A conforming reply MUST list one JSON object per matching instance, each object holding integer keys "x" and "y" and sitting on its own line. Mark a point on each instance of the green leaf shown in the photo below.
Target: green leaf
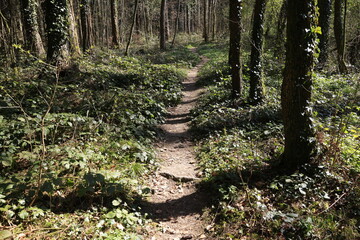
{"x": 5, "y": 234}
{"x": 116, "y": 203}
{"x": 23, "y": 214}
{"x": 110, "y": 215}
{"x": 21, "y": 119}
{"x": 7, "y": 161}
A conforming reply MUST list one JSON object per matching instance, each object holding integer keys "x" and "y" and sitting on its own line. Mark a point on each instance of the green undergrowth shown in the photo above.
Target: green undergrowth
{"x": 238, "y": 147}
{"x": 179, "y": 56}
{"x": 76, "y": 143}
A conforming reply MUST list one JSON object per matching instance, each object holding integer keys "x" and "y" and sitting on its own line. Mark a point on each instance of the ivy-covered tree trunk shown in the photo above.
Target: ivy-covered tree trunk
{"x": 324, "y": 23}
{"x": 56, "y": 29}
{"x": 33, "y": 40}
{"x": 300, "y": 141}
{"x": 256, "y": 84}
{"x": 86, "y": 25}
{"x": 234, "y": 49}
{"x": 162, "y": 25}
{"x": 114, "y": 22}
{"x": 339, "y": 31}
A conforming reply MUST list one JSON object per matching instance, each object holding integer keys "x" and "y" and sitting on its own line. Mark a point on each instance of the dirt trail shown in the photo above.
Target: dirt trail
{"x": 176, "y": 204}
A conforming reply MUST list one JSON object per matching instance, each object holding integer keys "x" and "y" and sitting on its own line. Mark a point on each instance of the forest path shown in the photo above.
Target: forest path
{"x": 176, "y": 205}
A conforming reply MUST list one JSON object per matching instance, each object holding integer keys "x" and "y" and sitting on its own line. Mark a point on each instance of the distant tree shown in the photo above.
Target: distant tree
{"x": 114, "y": 22}
{"x": 162, "y": 25}
{"x": 354, "y": 48}
{"x": 73, "y": 29}
{"x": 339, "y": 31}
{"x": 33, "y": 40}
{"x": 324, "y": 23}
{"x": 256, "y": 83}
{"x": 56, "y": 29}
{"x": 300, "y": 141}
{"x": 234, "y": 48}
{"x": 176, "y": 22}
{"x": 132, "y": 27}
{"x": 280, "y": 29}
{"x": 205, "y": 21}
{"x": 86, "y": 25}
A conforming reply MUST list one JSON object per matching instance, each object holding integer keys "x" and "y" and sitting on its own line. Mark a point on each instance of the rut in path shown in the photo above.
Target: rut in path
{"x": 176, "y": 204}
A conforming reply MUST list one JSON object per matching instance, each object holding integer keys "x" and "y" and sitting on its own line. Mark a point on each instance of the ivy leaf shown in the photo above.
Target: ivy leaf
{"x": 116, "y": 203}
{"x": 110, "y": 215}
{"x": 23, "y": 214}
{"x": 5, "y": 234}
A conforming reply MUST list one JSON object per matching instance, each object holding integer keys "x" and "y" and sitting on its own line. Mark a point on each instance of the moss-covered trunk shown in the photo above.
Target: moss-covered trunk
{"x": 256, "y": 83}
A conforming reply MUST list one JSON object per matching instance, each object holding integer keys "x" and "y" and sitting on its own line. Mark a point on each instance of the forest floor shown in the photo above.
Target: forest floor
{"x": 176, "y": 204}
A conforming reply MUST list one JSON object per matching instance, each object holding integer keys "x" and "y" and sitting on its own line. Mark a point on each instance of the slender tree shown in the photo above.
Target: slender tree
{"x": 86, "y": 25}
{"x": 114, "y": 22}
{"x": 339, "y": 31}
{"x": 176, "y": 22}
{"x": 256, "y": 83}
{"x": 280, "y": 29}
{"x": 300, "y": 142}
{"x": 324, "y": 23}
{"x": 132, "y": 27}
{"x": 162, "y": 25}
{"x": 234, "y": 49}
{"x": 205, "y": 19}
{"x": 73, "y": 30}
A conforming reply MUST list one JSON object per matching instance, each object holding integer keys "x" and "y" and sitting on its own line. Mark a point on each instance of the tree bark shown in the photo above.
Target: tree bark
{"x": 300, "y": 143}
{"x": 86, "y": 25}
{"x": 162, "y": 25}
{"x": 132, "y": 27}
{"x": 73, "y": 30}
{"x": 205, "y": 23}
{"x": 339, "y": 31}
{"x": 324, "y": 23}
{"x": 256, "y": 83}
{"x": 281, "y": 25}
{"x": 33, "y": 40}
{"x": 114, "y": 22}
{"x": 57, "y": 30}
{"x": 234, "y": 49}
{"x": 176, "y": 22}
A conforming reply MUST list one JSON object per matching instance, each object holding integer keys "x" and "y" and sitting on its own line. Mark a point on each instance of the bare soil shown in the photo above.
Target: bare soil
{"x": 176, "y": 204}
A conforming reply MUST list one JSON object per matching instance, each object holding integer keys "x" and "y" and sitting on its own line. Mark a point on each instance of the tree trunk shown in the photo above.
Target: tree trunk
{"x": 33, "y": 40}
{"x": 114, "y": 22}
{"x": 56, "y": 29}
{"x": 300, "y": 144}
{"x": 86, "y": 25}
{"x": 214, "y": 20}
{"x": 256, "y": 83}
{"x": 205, "y": 19}
{"x": 324, "y": 23}
{"x": 176, "y": 22}
{"x": 7, "y": 38}
{"x": 162, "y": 25}
{"x": 354, "y": 49}
{"x": 234, "y": 49}
{"x": 281, "y": 25}
{"x": 73, "y": 32}
{"x": 339, "y": 31}
{"x": 132, "y": 27}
